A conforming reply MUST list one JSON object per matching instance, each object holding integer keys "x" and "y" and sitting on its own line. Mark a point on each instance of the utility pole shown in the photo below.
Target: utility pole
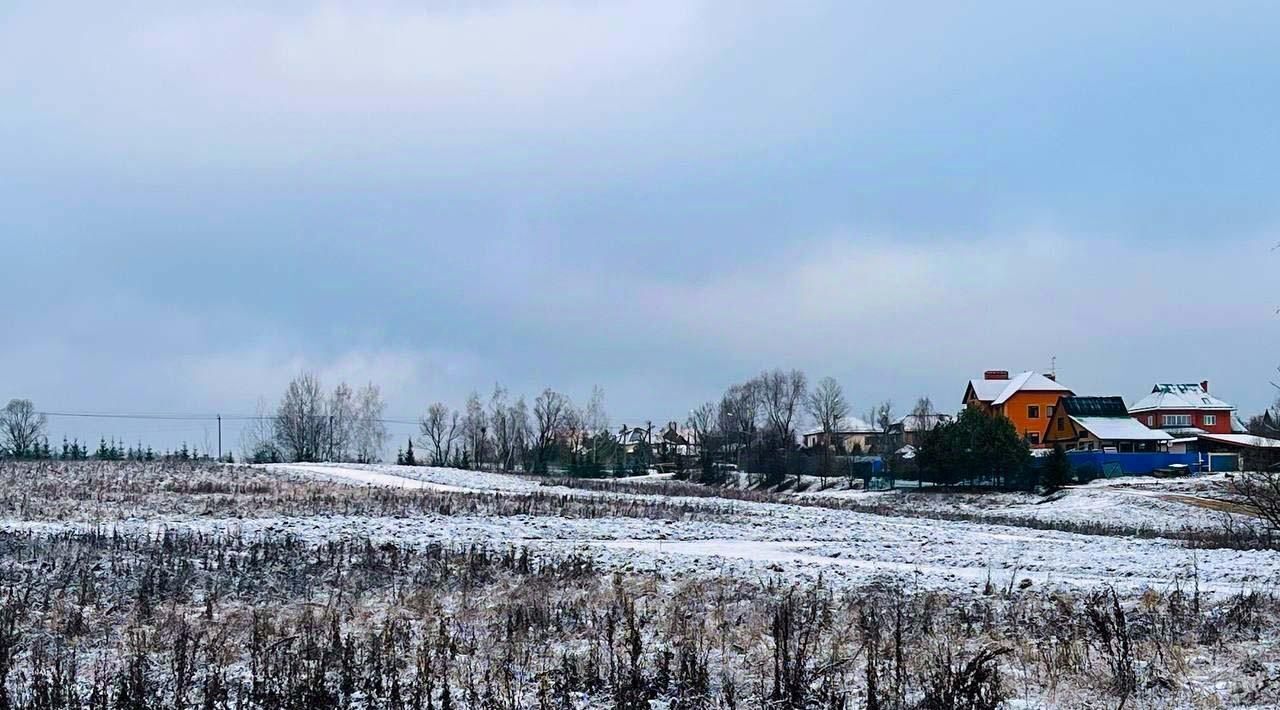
{"x": 219, "y": 437}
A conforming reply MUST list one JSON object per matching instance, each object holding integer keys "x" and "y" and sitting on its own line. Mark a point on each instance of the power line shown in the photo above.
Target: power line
{"x": 203, "y": 417}
{"x": 165, "y": 417}
{"x": 411, "y": 421}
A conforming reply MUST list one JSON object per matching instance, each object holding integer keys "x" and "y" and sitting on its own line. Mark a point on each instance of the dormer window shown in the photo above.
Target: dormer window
{"x": 1210, "y": 419}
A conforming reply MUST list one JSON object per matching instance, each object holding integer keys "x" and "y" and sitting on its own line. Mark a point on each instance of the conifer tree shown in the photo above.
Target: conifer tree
{"x": 1057, "y": 469}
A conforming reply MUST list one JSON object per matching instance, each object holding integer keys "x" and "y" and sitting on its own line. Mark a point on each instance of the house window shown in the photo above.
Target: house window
{"x": 1033, "y": 411}
{"x": 1151, "y": 421}
{"x": 1177, "y": 420}
{"x": 1048, "y": 411}
{"x": 1033, "y": 437}
{"x": 1062, "y": 425}
{"x": 1210, "y": 419}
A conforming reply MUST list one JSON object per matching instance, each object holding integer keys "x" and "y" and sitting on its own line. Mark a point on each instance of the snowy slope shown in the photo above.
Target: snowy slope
{"x": 799, "y": 542}
{"x": 1168, "y": 505}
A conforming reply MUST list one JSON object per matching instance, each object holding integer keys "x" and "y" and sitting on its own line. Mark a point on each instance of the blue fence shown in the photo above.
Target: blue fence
{"x": 875, "y": 462}
{"x": 1106, "y": 463}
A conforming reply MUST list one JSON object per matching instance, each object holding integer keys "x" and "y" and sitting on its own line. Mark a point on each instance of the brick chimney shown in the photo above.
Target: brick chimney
{"x": 1204, "y": 385}
{"x": 995, "y": 375}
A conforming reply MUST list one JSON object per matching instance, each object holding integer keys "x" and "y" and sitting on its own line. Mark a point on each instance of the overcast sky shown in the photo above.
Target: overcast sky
{"x": 198, "y": 200}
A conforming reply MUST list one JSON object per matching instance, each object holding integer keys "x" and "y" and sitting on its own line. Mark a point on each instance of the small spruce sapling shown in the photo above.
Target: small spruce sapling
{"x": 1057, "y": 469}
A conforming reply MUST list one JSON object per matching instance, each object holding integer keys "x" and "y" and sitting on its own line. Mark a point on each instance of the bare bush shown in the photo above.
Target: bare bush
{"x": 1260, "y": 491}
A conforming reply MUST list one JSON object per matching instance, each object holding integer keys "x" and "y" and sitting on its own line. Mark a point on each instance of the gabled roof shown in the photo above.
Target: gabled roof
{"x": 987, "y": 390}
{"x": 850, "y": 425}
{"x": 1176, "y": 396}
{"x": 1095, "y": 407}
{"x": 1124, "y": 428}
{"x": 999, "y": 391}
{"x": 1257, "y": 442}
{"x": 916, "y": 422}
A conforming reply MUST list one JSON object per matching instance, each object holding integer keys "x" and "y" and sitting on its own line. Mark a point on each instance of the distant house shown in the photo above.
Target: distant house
{"x": 910, "y": 430}
{"x": 1101, "y": 424}
{"x": 662, "y": 442}
{"x": 1266, "y": 424}
{"x": 673, "y": 441}
{"x": 1186, "y": 410}
{"x": 854, "y": 434}
{"x": 1027, "y": 399}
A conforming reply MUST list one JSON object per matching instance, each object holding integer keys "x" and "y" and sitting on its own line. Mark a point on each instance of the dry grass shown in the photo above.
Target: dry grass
{"x": 185, "y": 619}
{"x": 190, "y": 620}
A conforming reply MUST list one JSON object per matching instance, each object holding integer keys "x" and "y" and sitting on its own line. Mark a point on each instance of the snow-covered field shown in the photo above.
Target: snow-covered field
{"x": 178, "y": 584}
{"x": 804, "y": 542}
{"x": 1141, "y": 503}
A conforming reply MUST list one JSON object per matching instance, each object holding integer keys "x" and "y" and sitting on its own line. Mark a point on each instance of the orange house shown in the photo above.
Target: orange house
{"x": 1028, "y": 399}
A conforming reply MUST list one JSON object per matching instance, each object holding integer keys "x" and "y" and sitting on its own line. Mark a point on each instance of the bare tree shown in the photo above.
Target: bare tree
{"x": 739, "y": 411}
{"x": 738, "y": 416}
{"x": 522, "y": 431}
{"x": 22, "y": 427}
{"x": 258, "y": 438}
{"x": 702, "y": 420}
{"x": 440, "y": 429}
{"x": 370, "y": 431}
{"x": 594, "y": 418}
{"x": 781, "y": 394}
{"x": 342, "y": 422}
{"x": 828, "y": 407}
{"x": 595, "y": 421}
{"x": 924, "y": 411}
{"x": 500, "y": 425}
{"x": 881, "y": 417}
{"x": 301, "y": 423}
{"x": 552, "y": 413}
{"x": 475, "y": 427}
{"x": 923, "y": 419}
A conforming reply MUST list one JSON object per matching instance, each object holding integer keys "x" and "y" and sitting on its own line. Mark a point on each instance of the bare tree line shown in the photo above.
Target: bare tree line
{"x": 754, "y": 423}
{"x": 508, "y": 435}
{"x": 347, "y": 425}
{"x": 308, "y": 425}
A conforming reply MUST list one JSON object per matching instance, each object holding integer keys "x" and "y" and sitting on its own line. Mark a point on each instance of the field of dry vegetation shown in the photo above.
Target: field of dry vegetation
{"x": 99, "y": 615}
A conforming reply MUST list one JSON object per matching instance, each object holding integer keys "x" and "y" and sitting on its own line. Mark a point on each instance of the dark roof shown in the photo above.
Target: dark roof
{"x": 1095, "y": 407}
